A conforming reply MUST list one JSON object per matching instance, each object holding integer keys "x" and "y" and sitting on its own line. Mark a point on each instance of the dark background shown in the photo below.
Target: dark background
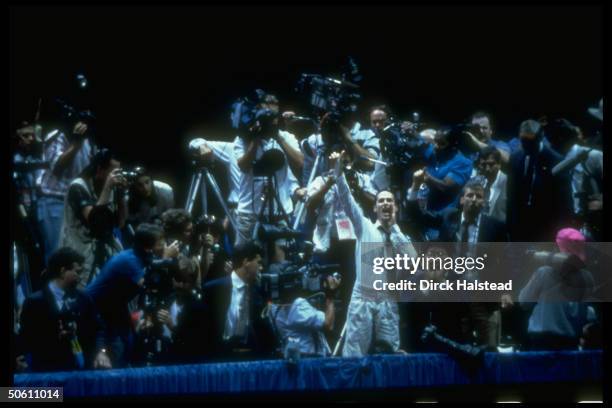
{"x": 160, "y": 75}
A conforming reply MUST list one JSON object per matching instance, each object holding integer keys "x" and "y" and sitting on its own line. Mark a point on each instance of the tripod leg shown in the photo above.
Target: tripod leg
{"x": 193, "y": 190}
{"x": 217, "y": 191}
{"x": 203, "y": 192}
{"x": 340, "y": 339}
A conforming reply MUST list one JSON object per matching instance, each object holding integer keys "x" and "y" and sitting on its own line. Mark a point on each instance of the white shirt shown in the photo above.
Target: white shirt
{"x": 224, "y": 153}
{"x": 301, "y": 323}
{"x": 251, "y": 190}
{"x": 370, "y": 236}
{"x": 587, "y": 176}
{"x": 237, "y": 314}
{"x": 473, "y": 229}
{"x": 58, "y": 295}
{"x": 497, "y": 197}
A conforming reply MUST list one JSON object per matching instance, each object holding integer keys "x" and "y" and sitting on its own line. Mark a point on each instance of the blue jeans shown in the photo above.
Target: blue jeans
{"x": 50, "y": 217}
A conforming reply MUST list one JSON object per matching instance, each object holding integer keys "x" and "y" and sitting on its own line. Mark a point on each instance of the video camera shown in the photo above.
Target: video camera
{"x": 291, "y": 280}
{"x": 402, "y": 145}
{"x": 327, "y": 94}
{"x": 251, "y": 118}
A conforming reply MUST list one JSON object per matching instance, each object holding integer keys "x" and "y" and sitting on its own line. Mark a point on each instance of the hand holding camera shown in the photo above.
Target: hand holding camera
{"x": 115, "y": 179}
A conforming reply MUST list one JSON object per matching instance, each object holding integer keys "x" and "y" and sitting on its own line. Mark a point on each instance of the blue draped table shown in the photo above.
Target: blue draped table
{"x": 341, "y": 374}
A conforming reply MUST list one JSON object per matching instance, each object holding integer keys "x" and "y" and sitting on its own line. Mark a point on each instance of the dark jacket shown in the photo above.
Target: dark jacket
{"x": 539, "y": 205}
{"x": 190, "y": 336}
{"x": 448, "y": 221}
{"x": 40, "y": 330}
{"x": 217, "y": 297}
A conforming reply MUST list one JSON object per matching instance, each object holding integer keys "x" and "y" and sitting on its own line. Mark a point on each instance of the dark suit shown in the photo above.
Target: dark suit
{"x": 448, "y": 221}
{"x": 476, "y": 315}
{"x": 259, "y": 342}
{"x": 190, "y": 336}
{"x": 538, "y": 203}
{"x": 39, "y": 331}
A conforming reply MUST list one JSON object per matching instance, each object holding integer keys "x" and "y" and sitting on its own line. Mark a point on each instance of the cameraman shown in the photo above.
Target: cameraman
{"x": 301, "y": 324}
{"x": 185, "y": 320}
{"x": 94, "y": 207}
{"x": 448, "y": 170}
{"x": 222, "y": 152}
{"x": 118, "y": 284}
{"x": 482, "y": 136}
{"x": 148, "y": 198}
{"x": 344, "y": 130}
{"x": 583, "y": 163}
{"x": 60, "y": 327}
{"x": 263, "y": 135}
{"x": 68, "y": 155}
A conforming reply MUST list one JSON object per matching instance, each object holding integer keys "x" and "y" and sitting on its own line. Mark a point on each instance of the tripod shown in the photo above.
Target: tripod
{"x": 199, "y": 180}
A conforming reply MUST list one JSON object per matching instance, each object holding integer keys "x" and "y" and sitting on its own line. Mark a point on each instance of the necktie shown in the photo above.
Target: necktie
{"x": 389, "y": 253}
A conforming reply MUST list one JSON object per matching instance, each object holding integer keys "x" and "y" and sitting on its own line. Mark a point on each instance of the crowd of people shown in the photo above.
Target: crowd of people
{"x": 111, "y": 270}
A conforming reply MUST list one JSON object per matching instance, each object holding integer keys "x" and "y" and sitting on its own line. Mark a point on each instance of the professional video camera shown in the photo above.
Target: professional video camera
{"x": 291, "y": 280}
{"x": 251, "y": 119}
{"x": 327, "y": 94}
{"x": 402, "y": 145}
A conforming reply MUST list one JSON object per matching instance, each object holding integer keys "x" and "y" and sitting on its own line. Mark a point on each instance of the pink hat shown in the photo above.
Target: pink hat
{"x": 570, "y": 240}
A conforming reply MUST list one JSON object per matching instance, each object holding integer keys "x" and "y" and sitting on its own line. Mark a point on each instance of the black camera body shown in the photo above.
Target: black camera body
{"x": 328, "y": 94}
{"x": 292, "y": 280}
{"x": 158, "y": 284}
{"x": 132, "y": 175}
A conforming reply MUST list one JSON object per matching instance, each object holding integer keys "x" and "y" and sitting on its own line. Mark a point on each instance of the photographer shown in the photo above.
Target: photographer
{"x": 340, "y": 130}
{"x": 582, "y": 170}
{"x": 117, "y": 285}
{"x": 448, "y": 170}
{"x": 68, "y": 154}
{"x": 94, "y": 207}
{"x": 481, "y": 136}
{"x": 197, "y": 240}
{"x": 557, "y": 294}
{"x": 235, "y": 328}
{"x": 302, "y": 326}
{"x": 60, "y": 327}
{"x": 263, "y": 136}
{"x": 27, "y": 165}
{"x": 185, "y": 319}
{"x": 207, "y": 151}
{"x": 148, "y": 198}
{"x": 25, "y": 148}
